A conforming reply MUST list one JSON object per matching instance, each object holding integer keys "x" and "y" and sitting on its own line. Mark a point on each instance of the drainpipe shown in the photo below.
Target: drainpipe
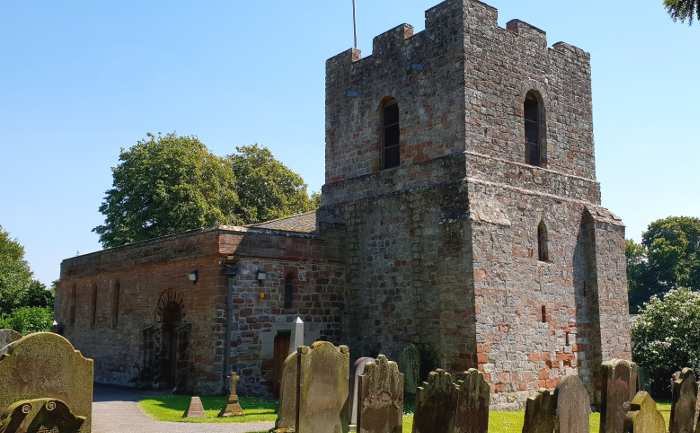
{"x": 230, "y": 272}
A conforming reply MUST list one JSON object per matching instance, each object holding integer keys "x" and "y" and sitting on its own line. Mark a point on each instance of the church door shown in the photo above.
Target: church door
{"x": 171, "y": 316}
{"x": 281, "y": 351}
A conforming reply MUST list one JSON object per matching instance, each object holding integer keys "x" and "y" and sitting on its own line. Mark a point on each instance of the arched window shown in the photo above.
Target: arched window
{"x": 391, "y": 134}
{"x": 288, "y": 291}
{"x": 542, "y": 249}
{"x": 534, "y": 129}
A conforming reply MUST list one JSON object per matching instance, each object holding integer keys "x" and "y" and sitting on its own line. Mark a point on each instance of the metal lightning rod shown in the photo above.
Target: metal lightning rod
{"x": 354, "y": 24}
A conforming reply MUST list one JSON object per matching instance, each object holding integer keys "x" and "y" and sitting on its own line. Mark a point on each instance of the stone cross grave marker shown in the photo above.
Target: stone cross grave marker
{"x": 195, "y": 409}
{"x": 7, "y": 336}
{"x": 381, "y": 398}
{"x": 409, "y": 364}
{"x": 436, "y": 404}
{"x": 642, "y": 415}
{"x": 620, "y": 380}
{"x": 685, "y": 391}
{"x": 473, "y": 403}
{"x": 359, "y": 370}
{"x": 233, "y": 407}
{"x": 322, "y": 391}
{"x": 45, "y": 366}
{"x": 540, "y": 412}
{"x": 573, "y": 406}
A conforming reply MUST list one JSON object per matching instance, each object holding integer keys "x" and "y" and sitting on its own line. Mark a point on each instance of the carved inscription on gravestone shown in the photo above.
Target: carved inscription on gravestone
{"x": 40, "y": 416}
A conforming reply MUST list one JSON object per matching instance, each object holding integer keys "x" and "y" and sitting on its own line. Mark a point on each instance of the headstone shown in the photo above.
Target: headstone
{"x": 195, "y": 409}
{"x": 7, "y": 336}
{"x": 685, "y": 390}
{"x": 40, "y": 416}
{"x": 46, "y": 366}
{"x": 322, "y": 394}
{"x": 619, "y": 386}
{"x": 436, "y": 404}
{"x": 573, "y": 406}
{"x": 642, "y": 415}
{"x": 540, "y": 412}
{"x": 297, "y": 337}
{"x": 232, "y": 407}
{"x": 473, "y": 404}
{"x": 359, "y": 367}
{"x": 409, "y": 364}
{"x": 286, "y": 414}
{"x": 381, "y": 398}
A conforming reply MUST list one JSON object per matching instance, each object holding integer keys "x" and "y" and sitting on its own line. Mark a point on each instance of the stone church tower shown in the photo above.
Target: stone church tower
{"x": 461, "y": 185}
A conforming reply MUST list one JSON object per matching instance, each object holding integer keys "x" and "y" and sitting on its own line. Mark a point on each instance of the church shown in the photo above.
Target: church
{"x": 460, "y": 215}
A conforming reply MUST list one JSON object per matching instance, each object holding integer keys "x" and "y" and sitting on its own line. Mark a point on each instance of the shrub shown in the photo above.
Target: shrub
{"x": 666, "y": 336}
{"x": 26, "y": 320}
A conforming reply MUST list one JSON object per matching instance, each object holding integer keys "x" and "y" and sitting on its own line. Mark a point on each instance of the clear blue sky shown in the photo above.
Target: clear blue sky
{"x": 80, "y": 79}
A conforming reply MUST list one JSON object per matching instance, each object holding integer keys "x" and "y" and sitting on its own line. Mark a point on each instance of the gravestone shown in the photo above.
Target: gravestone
{"x": 195, "y": 409}
{"x": 619, "y": 386}
{"x": 381, "y": 398}
{"x": 45, "y": 366}
{"x": 642, "y": 416}
{"x": 322, "y": 394}
{"x": 409, "y": 364}
{"x": 359, "y": 367}
{"x": 40, "y": 416}
{"x": 286, "y": 414}
{"x": 436, "y": 404}
{"x": 473, "y": 403}
{"x": 233, "y": 407}
{"x": 7, "y": 336}
{"x": 685, "y": 390}
{"x": 573, "y": 406}
{"x": 540, "y": 412}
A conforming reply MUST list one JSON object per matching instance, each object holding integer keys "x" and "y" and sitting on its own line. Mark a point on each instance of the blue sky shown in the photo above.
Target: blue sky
{"x": 80, "y": 79}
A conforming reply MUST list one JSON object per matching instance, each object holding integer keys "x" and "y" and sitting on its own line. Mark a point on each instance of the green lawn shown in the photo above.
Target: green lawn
{"x": 172, "y": 407}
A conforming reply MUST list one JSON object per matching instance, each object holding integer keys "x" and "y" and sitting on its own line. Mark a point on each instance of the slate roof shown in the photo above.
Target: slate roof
{"x": 301, "y": 223}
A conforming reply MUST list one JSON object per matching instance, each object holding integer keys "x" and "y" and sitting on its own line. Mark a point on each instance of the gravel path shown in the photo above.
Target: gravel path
{"x": 116, "y": 410}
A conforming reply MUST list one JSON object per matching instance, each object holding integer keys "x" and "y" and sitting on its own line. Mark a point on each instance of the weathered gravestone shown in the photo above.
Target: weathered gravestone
{"x": 642, "y": 416}
{"x": 40, "y": 416}
{"x": 619, "y": 386}
{"x": 322, "y": 394}
{"x": 287, "y": 412}
{"x": 685, "y": 390}
{"x": 233, "y": 406}
{"x": 381, "y": 398}
{"x": 573, "y": 406}
{"x": 473, "y": 403}
{"x": 436, "y": 404}
{"x": 409, "y": 365}
{"x": 7, "y": 336}
{"x": 359, "y": 367}
{"x": 195, "y": 409}
{"x": 540, "y": 412}
{"x": 46, "y": 367}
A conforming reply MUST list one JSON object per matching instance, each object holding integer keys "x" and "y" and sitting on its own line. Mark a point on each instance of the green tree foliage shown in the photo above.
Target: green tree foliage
{"x": 267, "y": 188}
{"x": 682, "y": 10}
{"x": 15, "y": 275}
{"x": 667, "y": 258}
{"x": 666, "y": 336}
{"x": 26, "y": 320}
{"x": 167, "y": 184}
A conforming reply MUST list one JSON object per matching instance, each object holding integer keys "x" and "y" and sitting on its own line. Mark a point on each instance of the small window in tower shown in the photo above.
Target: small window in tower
{"x": 288, "y": 291}
{"x": 391, "y": 134}
{"x": 544, "y": 314}
{"x": 542, "y": 247}
{"x": 534, "y": 129}
{"x": 115, "y": 304}
{"x": 93, "y": 309}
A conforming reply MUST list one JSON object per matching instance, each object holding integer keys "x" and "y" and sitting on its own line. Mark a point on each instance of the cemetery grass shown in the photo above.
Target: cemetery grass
{"x": 171, "y": 408}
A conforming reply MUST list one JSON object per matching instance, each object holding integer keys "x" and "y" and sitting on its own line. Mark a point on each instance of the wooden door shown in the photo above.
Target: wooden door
{"x": 281, "y": 351}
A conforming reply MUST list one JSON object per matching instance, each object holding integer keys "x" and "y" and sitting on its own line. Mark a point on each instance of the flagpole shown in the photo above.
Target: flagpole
{"x": 354, "y": 24}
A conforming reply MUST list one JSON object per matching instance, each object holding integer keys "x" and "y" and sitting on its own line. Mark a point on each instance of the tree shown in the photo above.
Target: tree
{"x": 15, "y": 275}
{"x": 667, "y": 258}
{"x": 26, "y": 320}
{"x": 683, "y": 9}
{"x": 666, "y": 336}
{"x": 267, "y": 188}
{"x": 167, "y": 184}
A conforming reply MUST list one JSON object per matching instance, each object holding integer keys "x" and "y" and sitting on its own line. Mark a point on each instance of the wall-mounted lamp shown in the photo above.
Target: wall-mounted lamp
{"x": 193, "y": 276}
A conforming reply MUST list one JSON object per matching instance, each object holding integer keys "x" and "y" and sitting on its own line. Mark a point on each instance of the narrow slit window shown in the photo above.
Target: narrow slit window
{"x": 115, "y": 304}
{"x": 93, "y": 309}
{"x": 534, "y": 129}
{"x": 542, "y": 247}
{"x": 391, "y": 151}
{"x": 544, "y": 314}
